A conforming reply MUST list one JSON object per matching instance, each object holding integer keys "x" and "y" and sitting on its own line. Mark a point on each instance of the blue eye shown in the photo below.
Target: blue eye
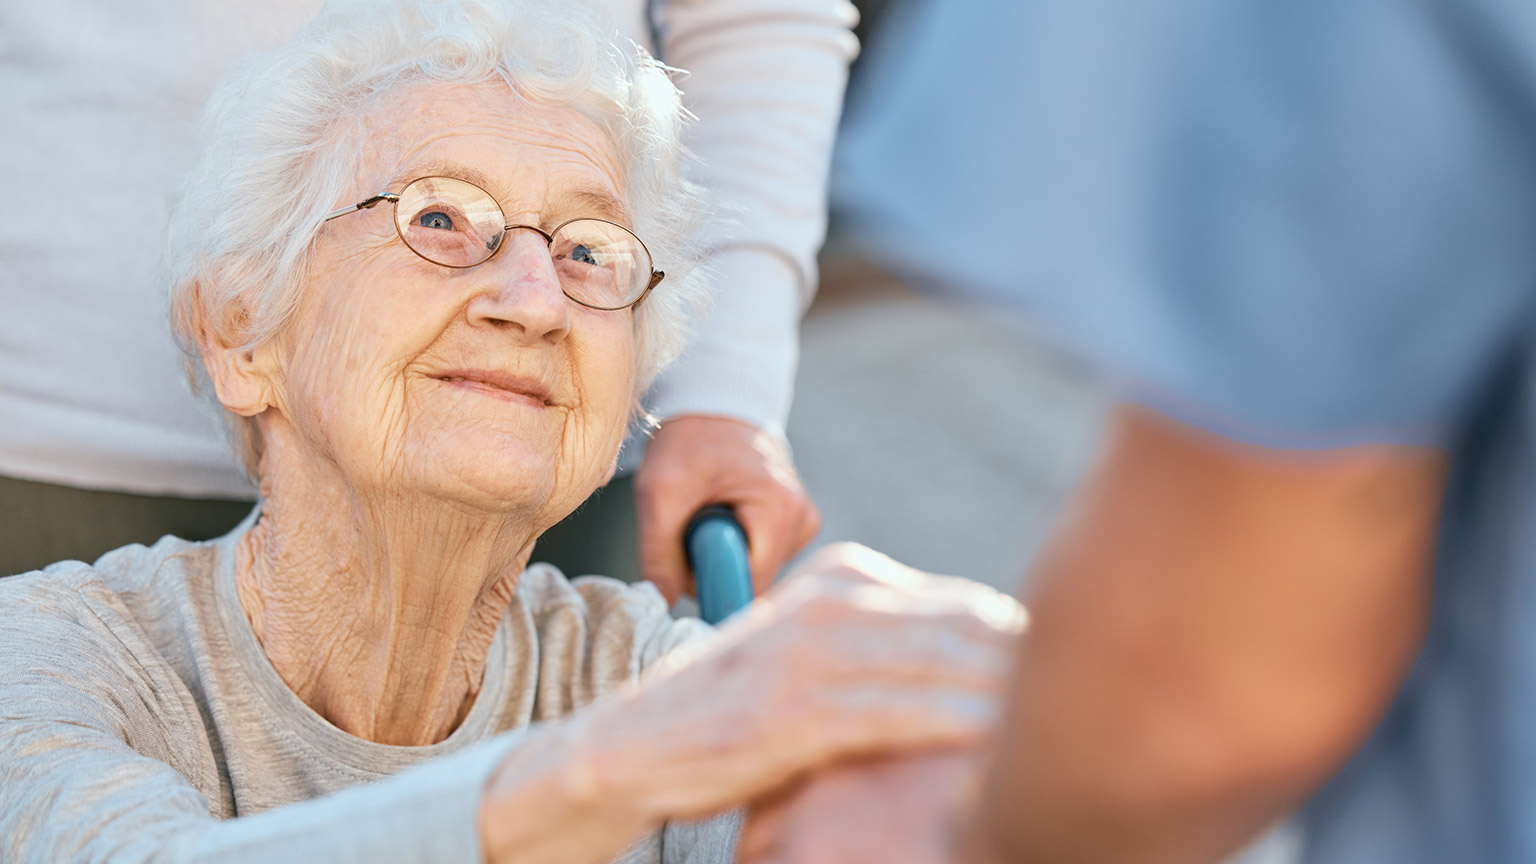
{"x": 435, "y": 219}
{"x": 582, "y": 254}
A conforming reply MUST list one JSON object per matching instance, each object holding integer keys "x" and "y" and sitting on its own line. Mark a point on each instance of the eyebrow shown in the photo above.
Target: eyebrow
{"x": 590, "y": 201}
{"x": 467, "y": 173}
{"x": 571, "y": 203}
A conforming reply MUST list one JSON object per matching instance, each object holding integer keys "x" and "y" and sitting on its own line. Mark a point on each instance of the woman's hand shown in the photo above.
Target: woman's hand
{"x": 854, "y": 656}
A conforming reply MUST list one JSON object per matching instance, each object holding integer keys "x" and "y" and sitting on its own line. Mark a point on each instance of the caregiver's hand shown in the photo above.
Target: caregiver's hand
{"x": 695, "y": 460}
{"x": 855, "y": 655}
{"x": 895, "y": 810}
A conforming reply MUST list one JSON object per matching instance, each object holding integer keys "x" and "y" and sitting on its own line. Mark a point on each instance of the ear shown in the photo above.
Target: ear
{"x": 244, "y": 379}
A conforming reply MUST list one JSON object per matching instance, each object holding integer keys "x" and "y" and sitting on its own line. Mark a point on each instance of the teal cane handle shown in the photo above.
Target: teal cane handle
{"x": 717, "y": 552}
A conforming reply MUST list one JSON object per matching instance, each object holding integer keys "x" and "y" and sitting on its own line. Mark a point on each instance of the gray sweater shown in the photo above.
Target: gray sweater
{"x": 141, "y": 721}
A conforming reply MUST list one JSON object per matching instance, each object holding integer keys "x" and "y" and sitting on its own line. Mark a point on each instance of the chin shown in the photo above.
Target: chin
{"x": 509, "y": 471}
{"x": 491, "y": 492}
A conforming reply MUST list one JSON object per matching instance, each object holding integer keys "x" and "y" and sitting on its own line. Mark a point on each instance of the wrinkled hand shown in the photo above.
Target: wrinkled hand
{"x": 901, "y": 810}
{"x": 696, "y": 460}
{"x": 852, "y": 657}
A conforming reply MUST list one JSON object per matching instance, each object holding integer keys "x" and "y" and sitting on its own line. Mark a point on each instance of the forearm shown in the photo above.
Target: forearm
{"x": 1212, "y": 635}
{"x": 80, "y": 796}
{"x": 554, "y": 801}
{"x": 427, "y": 813}
{"x": 765, "y": 82}
{"x": 742, "y": 360}
{"x": 583, "y": 790}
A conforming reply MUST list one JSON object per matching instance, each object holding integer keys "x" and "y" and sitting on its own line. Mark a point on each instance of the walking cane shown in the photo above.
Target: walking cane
{"x": 717, "y": 552}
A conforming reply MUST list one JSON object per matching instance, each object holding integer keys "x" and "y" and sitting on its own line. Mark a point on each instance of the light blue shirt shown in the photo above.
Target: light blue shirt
{"x": 1302, "y": 223}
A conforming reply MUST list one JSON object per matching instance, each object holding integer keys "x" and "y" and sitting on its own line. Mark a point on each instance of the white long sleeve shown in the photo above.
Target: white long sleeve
{"x": 766, "y": 80}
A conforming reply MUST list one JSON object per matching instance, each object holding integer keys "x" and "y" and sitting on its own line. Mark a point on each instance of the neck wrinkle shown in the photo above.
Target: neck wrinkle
{"x": 377, "y": 611}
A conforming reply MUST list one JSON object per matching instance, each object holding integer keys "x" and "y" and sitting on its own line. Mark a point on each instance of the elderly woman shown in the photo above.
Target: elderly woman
{"x": 411, "y": 265}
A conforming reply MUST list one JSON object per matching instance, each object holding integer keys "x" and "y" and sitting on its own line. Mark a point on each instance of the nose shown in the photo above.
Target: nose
{"x": 521, "y": 291}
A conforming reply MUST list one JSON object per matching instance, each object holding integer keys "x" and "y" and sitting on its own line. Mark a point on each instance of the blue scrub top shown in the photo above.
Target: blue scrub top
{"x": 1301, "y": 223}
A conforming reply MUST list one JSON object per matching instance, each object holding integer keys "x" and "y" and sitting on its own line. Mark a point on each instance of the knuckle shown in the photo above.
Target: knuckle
{"x": 654, "y": 481}
{"x": 818, "y": 601}
{"x": 812, "y": 520}
{"x": 646, "y": 489}
{"x": 839, "y": 557}
{"x": 828, "y": 607}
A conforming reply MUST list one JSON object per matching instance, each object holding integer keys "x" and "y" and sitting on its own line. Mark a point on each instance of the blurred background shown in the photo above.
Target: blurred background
{"x": 953, "y": 461}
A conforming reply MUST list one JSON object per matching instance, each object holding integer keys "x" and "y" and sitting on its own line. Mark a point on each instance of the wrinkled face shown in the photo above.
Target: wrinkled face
{"x": 484, "y": 386}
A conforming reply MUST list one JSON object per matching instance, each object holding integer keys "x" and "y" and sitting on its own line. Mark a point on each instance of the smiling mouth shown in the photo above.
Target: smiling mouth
{"x": 508, "y": 390}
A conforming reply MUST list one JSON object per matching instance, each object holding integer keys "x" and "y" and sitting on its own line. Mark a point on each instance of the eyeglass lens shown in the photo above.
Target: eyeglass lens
{"x": 457, "y": 224}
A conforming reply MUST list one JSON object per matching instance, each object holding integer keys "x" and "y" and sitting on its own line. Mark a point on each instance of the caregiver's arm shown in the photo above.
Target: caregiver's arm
{"x": 766, "y": 84}
{"x": 1216, "y": 628}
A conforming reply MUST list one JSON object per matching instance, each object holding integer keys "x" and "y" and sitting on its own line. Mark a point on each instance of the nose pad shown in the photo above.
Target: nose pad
{"x": 521, "y": 290}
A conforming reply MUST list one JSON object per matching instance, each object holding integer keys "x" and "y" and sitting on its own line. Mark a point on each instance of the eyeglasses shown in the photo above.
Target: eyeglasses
{"x": 601, "y": 264}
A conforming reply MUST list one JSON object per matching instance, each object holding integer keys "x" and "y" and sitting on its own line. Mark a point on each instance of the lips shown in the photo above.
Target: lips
{"x": 499, "y": 384}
